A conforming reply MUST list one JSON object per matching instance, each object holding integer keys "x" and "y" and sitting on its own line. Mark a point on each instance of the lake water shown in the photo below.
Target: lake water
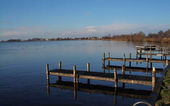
{"x": 23, "y": 76}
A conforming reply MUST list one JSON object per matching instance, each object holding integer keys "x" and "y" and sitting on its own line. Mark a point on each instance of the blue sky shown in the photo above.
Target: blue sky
{"x": 73, "y": 18}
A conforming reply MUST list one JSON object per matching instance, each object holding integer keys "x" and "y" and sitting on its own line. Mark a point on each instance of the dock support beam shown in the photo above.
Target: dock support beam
{"x": 88, "y": 70}
{"x": 47, "y": 72}
{"x": 109, "y": 58}
{"x": 59, "y": 64}
{"x": 124, "y": 60}
{"x": 153, "y": 78}
{"x": 115, "y": 77}
{"x": 104, "y": 60}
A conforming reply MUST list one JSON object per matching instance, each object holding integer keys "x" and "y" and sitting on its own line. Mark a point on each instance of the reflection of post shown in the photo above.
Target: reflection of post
{"x": 115, "y": 96}
{"x": 48, "y": 88}
{"x": 115, "y": 77}
{"x": 104, "y": 60}
{"x": 153, "y": 78}
{"x": 123, "y": 73}
{"x": 75, "y": 91}
{"x": 59, "y": 77}
{"x": 109, "y": 59}
{"x": 150, "y": 57}
{"x": 124, "y": 59}
{"x": 88, "y": 70}
{"x": 130, "y": 55}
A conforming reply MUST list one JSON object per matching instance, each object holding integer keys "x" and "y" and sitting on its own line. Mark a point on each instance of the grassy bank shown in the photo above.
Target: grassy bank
{"x": 165, "y": 91}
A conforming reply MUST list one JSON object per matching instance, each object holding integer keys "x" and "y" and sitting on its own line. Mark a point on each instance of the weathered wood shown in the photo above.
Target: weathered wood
{"x": 124, "y": 59}
{"x": 133, "y": 79}
{"x": 104, "y": 60}
{"x": 59, "y": 64}
{"x": 47, "y": 71}
{"x": 136, "y": 69}
{"x": 153, "y": 78}
{"x": 115, "y": 77}
{"x": 136, "y": 60}
{"x": 123, "y": 69}
{"x": 88, "y": 70}
{"x": 74, "y": 73}
{"x": 109, "y": 57}
{"x": 88, "y": 67}
{"x": 167, "y": 62}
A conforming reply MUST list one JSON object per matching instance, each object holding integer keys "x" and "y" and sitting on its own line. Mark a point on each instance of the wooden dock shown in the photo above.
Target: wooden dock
{"x": 113, "y": 77}
{"x": 135, "y": 69}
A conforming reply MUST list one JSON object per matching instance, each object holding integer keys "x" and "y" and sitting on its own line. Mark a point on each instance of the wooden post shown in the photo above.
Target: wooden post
{"x": 167, "y": 62}
{"x": 130, "y": 55}
{"x": 150, "y": 57}
{"x": 136, "y": 53}
{"x": 88, "y": 67}
{"x": 59, "y": 64}
{"x": 123, "y": 69}
{"x": 153, "y": 78}
{"x": 74, "y": 73}
{"x": 88, "y": 70}
{"x": 140, "y": 53}
{"x": 109, "y": 58}
{"x": 47, "y": 71}
{"x": 48, "y": 83}
{"x": 115, "y": 77}
{"x": 147, "y": 61}
{"x": 124, "y": 59}
{"x": 104, "y": 60}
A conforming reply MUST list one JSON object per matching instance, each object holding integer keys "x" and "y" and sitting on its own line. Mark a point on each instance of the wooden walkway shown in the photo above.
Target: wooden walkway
{"x": 113, "y": 77}
{"x": 136, "y": 69}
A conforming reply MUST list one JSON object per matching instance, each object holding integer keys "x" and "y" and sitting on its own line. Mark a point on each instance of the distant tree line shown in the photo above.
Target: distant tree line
{"x": 160, "y": 37}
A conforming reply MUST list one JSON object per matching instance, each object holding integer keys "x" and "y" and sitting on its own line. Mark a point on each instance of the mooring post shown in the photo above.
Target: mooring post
{"x": 136, "y": 53}
{"x": 104, "y": 60}
{"x": 74, "y": 73}
{"x": 130, "y": 55}
{"x": 153, "y": 78}
{"x": 47, "y": 72}
{"x": 147, "y": 61}
{"x": 123, "y": 69}
{"x": 109, "y": 59}
{"x": 115, "y": 77}
{"x": 88, "y": 70}
{"x": 124, "y": 59}
{"x": 59, "y": 64}
{"x": 140, "y": 53}
{"x": 167, "y": 62}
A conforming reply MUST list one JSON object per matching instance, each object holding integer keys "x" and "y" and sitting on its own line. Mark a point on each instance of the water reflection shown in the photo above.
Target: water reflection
{"x": 101, "y": 89}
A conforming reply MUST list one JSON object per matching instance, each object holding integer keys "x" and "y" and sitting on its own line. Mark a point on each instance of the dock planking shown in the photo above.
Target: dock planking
{"x": 132, "y": 79}
{"x": 136, "y": 69}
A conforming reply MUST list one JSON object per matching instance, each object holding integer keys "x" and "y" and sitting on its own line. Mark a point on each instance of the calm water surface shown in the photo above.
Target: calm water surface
{"x": 23, "y": 78}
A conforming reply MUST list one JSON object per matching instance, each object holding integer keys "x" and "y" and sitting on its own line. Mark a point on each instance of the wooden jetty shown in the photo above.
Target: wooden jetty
{"x": 113, "y": 77}
{"x": 90, "y": 88}
{"x": 130, "y": 59}
{"x": 136, "y": 69}
{"x": 152, "y": 50}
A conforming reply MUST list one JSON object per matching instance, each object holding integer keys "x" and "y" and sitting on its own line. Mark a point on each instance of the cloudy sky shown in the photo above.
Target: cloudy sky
{"x": 76, "y": 18}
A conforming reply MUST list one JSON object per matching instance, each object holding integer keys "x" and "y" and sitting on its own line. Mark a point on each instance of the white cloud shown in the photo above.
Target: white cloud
{"x": 121, "y": 28}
